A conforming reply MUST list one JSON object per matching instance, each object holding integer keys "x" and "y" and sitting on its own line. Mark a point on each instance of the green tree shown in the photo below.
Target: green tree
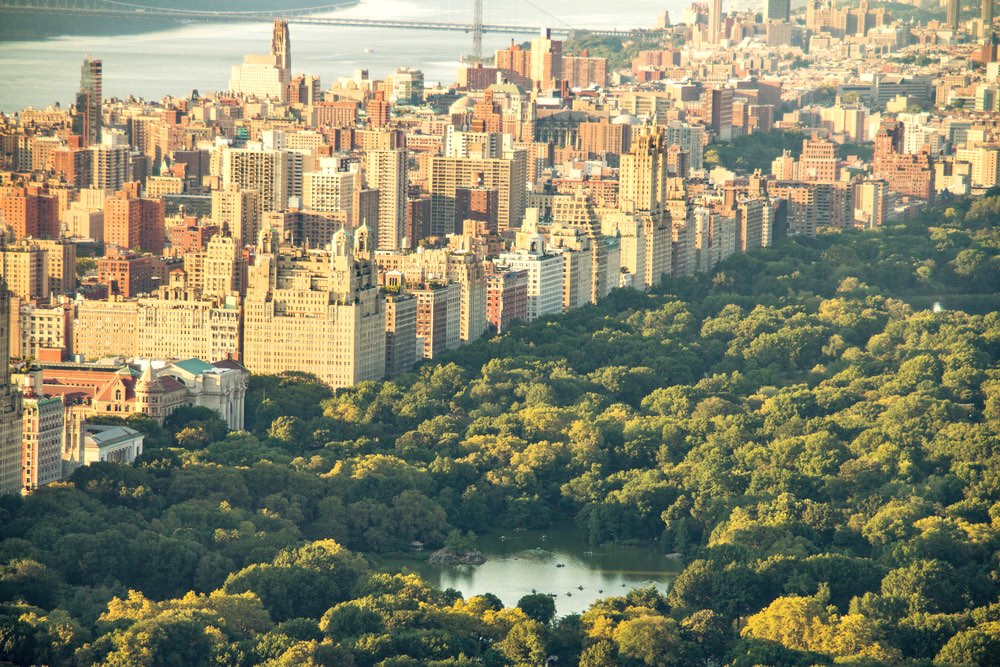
{"x": 538, "y": 606}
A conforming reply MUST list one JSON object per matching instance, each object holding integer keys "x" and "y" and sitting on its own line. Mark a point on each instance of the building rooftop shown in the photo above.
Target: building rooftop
{"x": 104, "y": 436}
{"x": 194, "y": 366}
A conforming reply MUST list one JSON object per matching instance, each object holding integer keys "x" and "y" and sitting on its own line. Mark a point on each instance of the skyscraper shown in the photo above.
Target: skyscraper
{"x": 281, "y": 46}
{"x": 954, "y": 9}
{"x": 10, "y": 407}
{"x": 90, "y": 95}
{"x": 987, "y": 13}
{"x": 714, "y": 21}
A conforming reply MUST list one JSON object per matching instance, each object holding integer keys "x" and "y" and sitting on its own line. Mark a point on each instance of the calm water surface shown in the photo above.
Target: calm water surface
{"x": 519, "y": 562}
{"x": 199, "y": 56}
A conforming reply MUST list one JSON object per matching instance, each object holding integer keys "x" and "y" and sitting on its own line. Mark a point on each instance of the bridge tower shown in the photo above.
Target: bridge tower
{"x": 477, "y": 30}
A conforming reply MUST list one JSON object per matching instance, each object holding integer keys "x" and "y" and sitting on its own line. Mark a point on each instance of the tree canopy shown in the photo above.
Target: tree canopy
{"x": 816, "y": 441}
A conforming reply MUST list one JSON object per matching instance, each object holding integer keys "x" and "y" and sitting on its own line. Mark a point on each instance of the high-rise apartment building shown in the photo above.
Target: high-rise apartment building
{"x": 514, "y": 61}
{"x": 10, "y": 407}
{"x": 598, "y": 138}
{"x": 750, "y": 221}
{"x": 24, "y": 268}
{"x": 506, "y": 297}
{"x": 642, "y": 176}
{"x": 36, "y": 325}
{"x": 871, "y": 203}
{"x": 578, "y": 264}
{"x": 263, "y": 170}
{"x": 106, "y": 329}
{"x": 426, "y": 266}
{"x": 643, "y": 222}
{"x": 479, "y": 204}
{"x": 29, "y": 212}
{"x": 386, "y": 171}
{"x": 223, "y": 268}
{"x": 110, "y": 164}
{"x": 91, "y": 92}
{"x": 438, "y": 306}
{"x": 584, "y": 71}
{"x": 329, "y": 189}
{"x": 237, "y": 210}
{"x": 407, "y": 86}
{"x": 127, "y": 274}
{"x": 317, "y": 311}
{"x": 690, "y": 138}
{"x": 717, "y": 111}
{"x": 577, "y": 211}
{"x": 545, "y": 271}
{"x": 506, "y": 175}
{"x": 60, "y": 258}
{"x": 546, "y": 61}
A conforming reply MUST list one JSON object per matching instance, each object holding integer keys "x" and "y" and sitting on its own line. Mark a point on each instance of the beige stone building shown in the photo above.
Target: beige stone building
{"x": 316, "y": 311}
{"x": 25, "y": 271}
{"x": 578, "y": 265}
{"x": 60, "y": 261}
{"x": 177, "y": 324}
{"x": 39, "y": 324}
{"x": 106, "y": 329}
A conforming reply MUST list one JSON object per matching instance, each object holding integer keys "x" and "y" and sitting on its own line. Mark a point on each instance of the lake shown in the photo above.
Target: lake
{"x": 519, "y": 562}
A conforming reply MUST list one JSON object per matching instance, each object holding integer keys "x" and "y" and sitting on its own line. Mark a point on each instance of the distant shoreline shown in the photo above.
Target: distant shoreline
{"x": 31, "y": 26}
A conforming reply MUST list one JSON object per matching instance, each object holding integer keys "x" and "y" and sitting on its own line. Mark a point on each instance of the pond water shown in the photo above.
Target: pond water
{"x": 560, "y": 562}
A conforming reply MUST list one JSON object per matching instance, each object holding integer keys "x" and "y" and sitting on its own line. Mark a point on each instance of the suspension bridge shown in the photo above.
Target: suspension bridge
{"x": 312, "y": 15}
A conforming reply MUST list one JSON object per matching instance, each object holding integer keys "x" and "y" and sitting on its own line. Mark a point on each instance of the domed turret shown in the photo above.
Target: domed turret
{"x": 341, "y": 245}
{"x": 362, "y": 241}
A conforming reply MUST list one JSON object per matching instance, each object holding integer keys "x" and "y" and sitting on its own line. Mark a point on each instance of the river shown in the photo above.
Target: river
{"x": 559, "y": 562}
{"x": 199, "y": 56}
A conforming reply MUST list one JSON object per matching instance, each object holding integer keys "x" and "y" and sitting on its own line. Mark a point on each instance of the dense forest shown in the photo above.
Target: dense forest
{"x": 824, "y": 455}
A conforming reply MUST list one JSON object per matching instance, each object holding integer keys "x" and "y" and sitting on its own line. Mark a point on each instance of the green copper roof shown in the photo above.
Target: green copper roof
{"x": 194, "y": 366}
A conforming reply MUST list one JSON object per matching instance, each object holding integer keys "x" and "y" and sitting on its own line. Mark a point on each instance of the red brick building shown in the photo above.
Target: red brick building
{"x": 335, "y": 114}
{"x": 479, "y": 204}
{"x": 29, "y": 212}
{"x": 131, "y": 223}
{"x": 127, "y": 274}
{"x": 506, "y": 298}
